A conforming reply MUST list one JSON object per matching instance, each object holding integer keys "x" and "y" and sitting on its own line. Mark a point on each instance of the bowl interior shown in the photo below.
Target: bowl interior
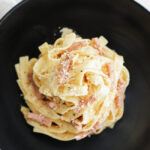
{"x": 123, "y": 23}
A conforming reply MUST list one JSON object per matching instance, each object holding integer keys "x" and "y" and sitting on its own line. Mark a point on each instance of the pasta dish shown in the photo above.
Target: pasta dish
{"x": 74, "y": 88}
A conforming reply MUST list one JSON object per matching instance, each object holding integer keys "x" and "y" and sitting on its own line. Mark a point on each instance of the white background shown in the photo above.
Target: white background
{"x": 6, "y": 5}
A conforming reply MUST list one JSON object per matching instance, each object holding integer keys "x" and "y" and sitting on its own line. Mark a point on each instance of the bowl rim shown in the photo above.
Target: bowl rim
{"x": 12, "y": 10}
{"x": 25, "y": 1}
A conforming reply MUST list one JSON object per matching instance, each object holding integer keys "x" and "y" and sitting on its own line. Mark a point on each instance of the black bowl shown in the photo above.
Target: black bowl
{"x": 127, "y": 27}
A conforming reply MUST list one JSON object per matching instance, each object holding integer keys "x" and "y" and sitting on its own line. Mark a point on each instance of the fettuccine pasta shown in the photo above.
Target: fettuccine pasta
{"x": 75, "y": 87}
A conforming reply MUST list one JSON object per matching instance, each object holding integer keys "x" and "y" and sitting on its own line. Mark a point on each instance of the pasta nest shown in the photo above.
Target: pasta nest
{"x": 75, "y": 87}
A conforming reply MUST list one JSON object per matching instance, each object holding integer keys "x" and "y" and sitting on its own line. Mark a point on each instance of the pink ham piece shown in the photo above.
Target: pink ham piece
{"x": 120, "y": 95}
{"x": 77, "y": 45}
{"x": 64, "y": 69}
{"x": 52, "y": 105}
{"x": 90, "y": 100}
{"x": 96, "y": 126}
{"x": 77, "y": 126}
{"x": 84, "y": 134}
{"x": 39, "y": 118}
{"x": 74, "y": 46}
{"x": 36, "y": 89}
{"x": 96, "y": 44}
{"x": 110, "y": 73}
{"x": 81, "y": 135}
{"x": 66, "y": 64}
{"x": 84, "y": 103}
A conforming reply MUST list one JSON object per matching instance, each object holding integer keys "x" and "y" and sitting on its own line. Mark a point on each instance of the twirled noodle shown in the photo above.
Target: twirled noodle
{"x": 75, "y": 88}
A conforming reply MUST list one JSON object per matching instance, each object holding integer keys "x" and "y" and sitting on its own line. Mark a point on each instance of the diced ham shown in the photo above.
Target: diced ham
{"x": 64, "y": 68}
{"x": 90, "y": 100}
{"x": 77, "y": 45}
{"x": 77, "y": 126}
{"x": 74, "y": 46}
{"x": 81, "y": 135}
{"x": 120, "y": 93}
{"x": 36, "y": 89}
{"x": 84, "y": 103}
{"x": 96, "y": 44}
{"x": 39, "y": 118}
{"x": 78, "y": 108}
{"x": 52, "y": 104}
{"x": 109, "y": 69}
{"x": 85, "y": 133}
{"x": 66, "y": 64}
{"x": 117, "y": 102}
{"x": 96, "y": 126}
{"x": 110, "y": 73}
{"x": 121, "y": 85}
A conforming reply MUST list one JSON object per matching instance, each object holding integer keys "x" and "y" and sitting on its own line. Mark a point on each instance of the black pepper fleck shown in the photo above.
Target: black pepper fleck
{"x": 69, "y": 88}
